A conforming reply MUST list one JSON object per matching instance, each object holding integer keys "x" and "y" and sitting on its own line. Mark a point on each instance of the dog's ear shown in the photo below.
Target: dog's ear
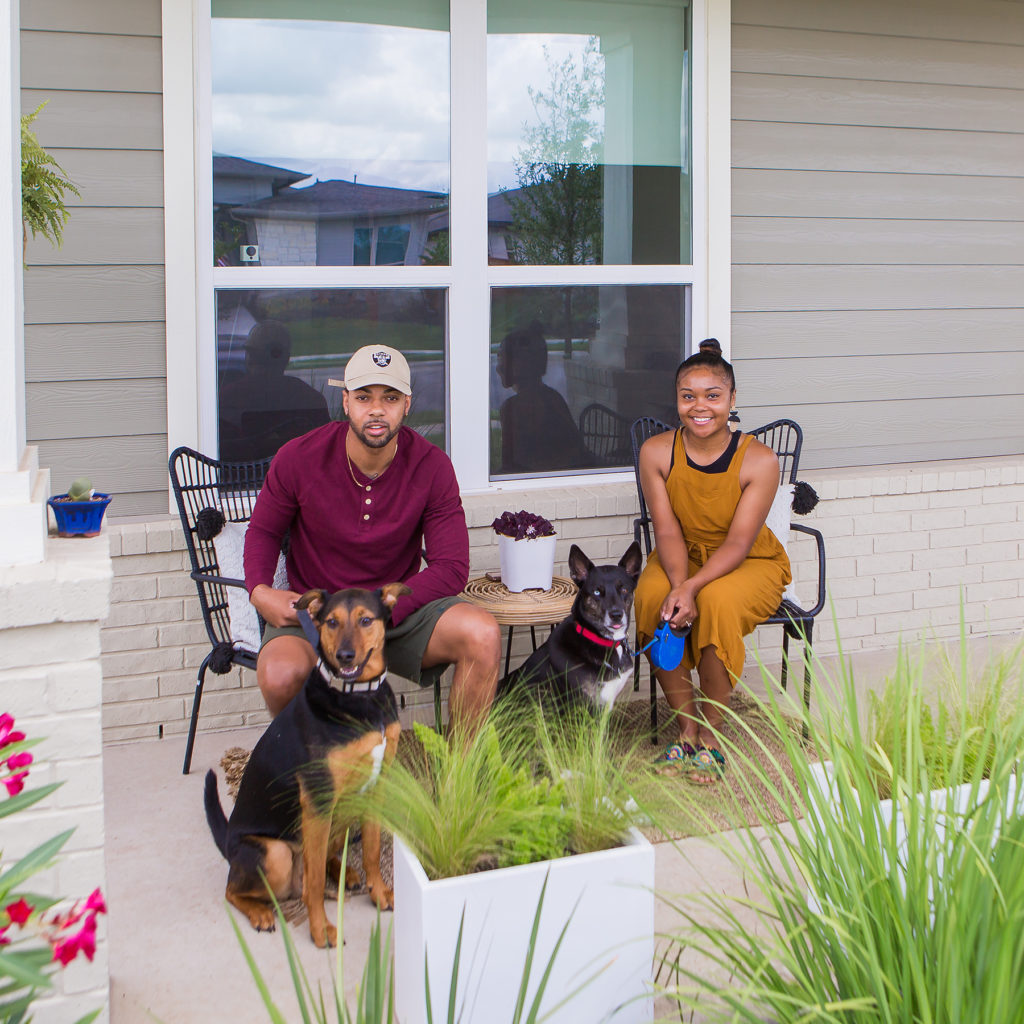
{"x": 314, "y": 601}
{"x": 579, "y": 565}
{"x": 631, "y": 561}
{"x": 391, "y": 592}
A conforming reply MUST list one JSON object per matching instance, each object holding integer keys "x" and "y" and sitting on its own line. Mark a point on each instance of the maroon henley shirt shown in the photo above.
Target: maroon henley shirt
{"x": 357, "y": 532}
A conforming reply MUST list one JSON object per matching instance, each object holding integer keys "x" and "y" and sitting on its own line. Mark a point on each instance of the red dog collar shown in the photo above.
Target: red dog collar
{"x": 601, "y": 641}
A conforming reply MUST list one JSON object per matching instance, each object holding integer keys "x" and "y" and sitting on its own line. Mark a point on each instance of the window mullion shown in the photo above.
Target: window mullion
{"x": 468, "y": 305}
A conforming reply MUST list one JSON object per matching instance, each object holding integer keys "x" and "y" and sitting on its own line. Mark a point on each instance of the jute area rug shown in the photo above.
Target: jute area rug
{"x": 681, "y": 809}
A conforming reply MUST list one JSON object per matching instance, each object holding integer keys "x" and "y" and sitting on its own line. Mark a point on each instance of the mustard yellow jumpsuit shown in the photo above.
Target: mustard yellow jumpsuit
{"x": 729, "y": 607}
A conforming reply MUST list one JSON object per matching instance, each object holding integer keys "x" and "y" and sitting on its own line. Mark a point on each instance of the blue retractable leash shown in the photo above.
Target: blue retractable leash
{"x": 667, "y": 647}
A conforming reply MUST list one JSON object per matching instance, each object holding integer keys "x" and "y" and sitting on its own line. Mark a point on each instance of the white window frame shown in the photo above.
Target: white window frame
{"x": 191, "y": 277}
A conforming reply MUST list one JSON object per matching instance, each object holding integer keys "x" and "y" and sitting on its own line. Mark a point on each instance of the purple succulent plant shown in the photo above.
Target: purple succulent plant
{"x": 522, "y": 525}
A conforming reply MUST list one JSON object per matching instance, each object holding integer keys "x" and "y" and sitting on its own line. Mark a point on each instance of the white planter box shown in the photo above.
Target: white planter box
{"x": 612, "y": 927}
{"x": 950, "y": 806}
{"x": 526, "y": 564}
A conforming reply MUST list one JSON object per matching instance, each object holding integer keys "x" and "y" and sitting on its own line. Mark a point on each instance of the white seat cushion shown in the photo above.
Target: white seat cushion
{"x": 778, "y": 522}
{"x": 245, "y": 624}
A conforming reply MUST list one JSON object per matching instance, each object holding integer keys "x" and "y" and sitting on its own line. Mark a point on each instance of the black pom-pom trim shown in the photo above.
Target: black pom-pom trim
{"x": 209, "y": 523}
{"x": 220, "y": 658}
{"x": 805, "y": 497}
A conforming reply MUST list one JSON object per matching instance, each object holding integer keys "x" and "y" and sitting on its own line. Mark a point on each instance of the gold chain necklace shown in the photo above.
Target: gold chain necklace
{"x": 352, "y": 472}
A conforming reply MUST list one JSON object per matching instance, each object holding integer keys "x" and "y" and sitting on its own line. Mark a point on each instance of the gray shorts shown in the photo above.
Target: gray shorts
{"x": 404, "y": 644}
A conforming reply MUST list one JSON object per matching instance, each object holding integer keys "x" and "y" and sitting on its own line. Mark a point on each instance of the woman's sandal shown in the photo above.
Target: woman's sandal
{"x": 707, "y": 765}
{"x": 675, "y": 759}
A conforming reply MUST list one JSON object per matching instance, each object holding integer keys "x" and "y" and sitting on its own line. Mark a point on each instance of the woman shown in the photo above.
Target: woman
{"x": 716, "y": 567}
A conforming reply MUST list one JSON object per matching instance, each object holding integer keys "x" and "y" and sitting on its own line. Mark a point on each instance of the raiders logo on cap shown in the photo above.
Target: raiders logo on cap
{"x": 382, "y": 359}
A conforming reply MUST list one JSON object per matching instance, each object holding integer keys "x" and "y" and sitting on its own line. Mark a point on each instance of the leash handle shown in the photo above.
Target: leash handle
{"x": 306, "y": 622}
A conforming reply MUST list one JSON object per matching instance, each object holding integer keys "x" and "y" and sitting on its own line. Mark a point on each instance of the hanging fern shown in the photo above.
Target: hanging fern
{"x": 44, "y": 184}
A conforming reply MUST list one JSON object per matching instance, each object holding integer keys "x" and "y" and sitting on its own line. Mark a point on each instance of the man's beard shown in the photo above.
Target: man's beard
{"x": 377, "y": 442}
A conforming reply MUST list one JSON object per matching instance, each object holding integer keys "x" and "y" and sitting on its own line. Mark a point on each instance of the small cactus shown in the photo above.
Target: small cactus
{"x": 81, "y": 489}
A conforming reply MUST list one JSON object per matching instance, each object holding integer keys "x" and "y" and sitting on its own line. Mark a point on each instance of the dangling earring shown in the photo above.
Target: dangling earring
{"x": 734, "y": 416}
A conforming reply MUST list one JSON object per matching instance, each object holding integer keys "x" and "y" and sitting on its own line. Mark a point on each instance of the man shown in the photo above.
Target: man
{"x": 361, "y": 501}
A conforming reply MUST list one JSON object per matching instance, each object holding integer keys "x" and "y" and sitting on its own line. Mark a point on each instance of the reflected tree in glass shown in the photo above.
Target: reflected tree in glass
{"x": 557, "y": 213}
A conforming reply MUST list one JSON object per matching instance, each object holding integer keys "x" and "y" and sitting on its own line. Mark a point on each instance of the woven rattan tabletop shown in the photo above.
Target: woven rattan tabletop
{"x": 528, "y": 608}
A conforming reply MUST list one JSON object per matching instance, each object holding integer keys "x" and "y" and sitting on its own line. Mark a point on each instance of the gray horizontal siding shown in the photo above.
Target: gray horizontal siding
{"x": 878, "y": 226}
{"x": 830, "y": 147}
{"x": 73, "y": 295}
{"x": 875, "y": 57}
{"x": 114, "y": 177}
{"x": 57, "y": 410}
{"x": 779, "y": 239}
{"x": 95, "y": 360}
{"x": 134, "y": 469}
{"x": 123, "y": 17}
{"x": 96, "y": 120}
{"x": 792, "y": 335}
{"x": 107, "y": 236}
{"x": 852, "y": 101}
{"x": 84, "y": 352}
{"x": 982, "y": 21}
{"x": 803, "y": 193}
{"x": 875, "y": 287}
{"x": 89, "y": 61}
{"x": 840, "y": 434}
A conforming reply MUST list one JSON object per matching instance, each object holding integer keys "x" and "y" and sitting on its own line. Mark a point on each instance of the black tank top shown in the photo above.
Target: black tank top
{"x": 720, "y": 465}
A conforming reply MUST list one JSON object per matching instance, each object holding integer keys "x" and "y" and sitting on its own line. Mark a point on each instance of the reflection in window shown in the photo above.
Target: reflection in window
{"x": 572, "y": 367}
{"x": 326, "y": 122}
{"x": 588, "y": 133}
{"x": 277, "y": 349}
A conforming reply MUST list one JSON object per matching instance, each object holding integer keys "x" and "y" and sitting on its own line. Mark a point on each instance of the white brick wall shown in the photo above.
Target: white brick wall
{"x": 51, "y": 682}
{"x": 902, "y": 545}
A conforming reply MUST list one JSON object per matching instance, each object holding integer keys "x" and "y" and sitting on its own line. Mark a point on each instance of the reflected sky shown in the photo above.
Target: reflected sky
{"x": 335, "y": 99}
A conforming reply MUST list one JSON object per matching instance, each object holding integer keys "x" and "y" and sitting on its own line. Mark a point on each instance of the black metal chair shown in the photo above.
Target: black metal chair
{"x": 206, "y": 489}
{"x": 202, "y": 483}
{"x": 605, "y": 434}
{"x": 785, "y": 438}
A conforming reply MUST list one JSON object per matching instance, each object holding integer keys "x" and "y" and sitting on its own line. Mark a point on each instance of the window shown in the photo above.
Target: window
{"x": 447, "y": 176}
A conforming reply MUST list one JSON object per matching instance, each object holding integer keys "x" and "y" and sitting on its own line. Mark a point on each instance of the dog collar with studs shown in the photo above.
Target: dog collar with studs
{"x": 366, "y": 686}
{"x": 601, "y": 641}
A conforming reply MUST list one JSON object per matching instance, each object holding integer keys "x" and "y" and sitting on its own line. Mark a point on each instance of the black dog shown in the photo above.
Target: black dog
{"x": 586, "y": 660}
{"x": 331, "y": 739}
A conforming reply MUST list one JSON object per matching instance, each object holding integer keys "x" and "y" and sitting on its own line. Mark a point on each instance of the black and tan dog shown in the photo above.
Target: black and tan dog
{"x": 586, "y": 660}
{"x": 330, "y": 741}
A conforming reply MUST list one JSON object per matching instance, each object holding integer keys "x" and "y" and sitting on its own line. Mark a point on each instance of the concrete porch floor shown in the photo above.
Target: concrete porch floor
{"x": 173, "y": 955}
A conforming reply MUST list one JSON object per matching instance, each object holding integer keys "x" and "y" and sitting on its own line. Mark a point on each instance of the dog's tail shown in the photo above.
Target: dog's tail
{"x": 215, "y": 813}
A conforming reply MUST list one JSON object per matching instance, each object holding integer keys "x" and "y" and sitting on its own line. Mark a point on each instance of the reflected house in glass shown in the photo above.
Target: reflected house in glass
{"x": 341, "y": 223}
{"x": 237, "y": 181}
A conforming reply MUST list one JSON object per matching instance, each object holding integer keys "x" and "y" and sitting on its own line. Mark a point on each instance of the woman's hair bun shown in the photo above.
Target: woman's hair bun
{"x": 711, "y": 346}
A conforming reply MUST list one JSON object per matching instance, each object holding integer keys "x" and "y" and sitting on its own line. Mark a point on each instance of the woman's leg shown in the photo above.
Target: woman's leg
{"x": 681, "y": 697}
{"x": 716, "y": 691}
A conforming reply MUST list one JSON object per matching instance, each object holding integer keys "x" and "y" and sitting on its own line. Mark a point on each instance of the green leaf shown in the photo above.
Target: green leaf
{"x": 41, "y": 857}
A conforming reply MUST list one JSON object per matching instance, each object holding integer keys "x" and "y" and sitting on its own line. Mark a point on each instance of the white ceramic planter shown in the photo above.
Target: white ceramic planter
{"x": 526, "y": 564}
{"x": 950, "y": 806}
{"x": 610, "y": 897}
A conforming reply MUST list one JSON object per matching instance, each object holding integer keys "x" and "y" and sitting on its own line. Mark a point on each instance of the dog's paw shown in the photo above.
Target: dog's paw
{"x": 353, "y": 880}
{"x": 262, "y": 920}
{"x": 383, "y": 896}
{"x": 323, "y": 937}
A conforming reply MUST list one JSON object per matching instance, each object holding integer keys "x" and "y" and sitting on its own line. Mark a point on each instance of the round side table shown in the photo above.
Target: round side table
{"x": 531, "y": 608}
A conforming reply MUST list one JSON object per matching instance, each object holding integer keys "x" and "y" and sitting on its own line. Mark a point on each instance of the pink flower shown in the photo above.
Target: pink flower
{"x": 15, "y": 783}
{"x": 83, "y": 941}
{"x": 66, "y": 950}
{"x": 4, "y": 940}
{"x": 7, "y": 735}
{"x": 19, "y": 912}
{"x": 22, "y": 760}
{"x": 95, "y": 902}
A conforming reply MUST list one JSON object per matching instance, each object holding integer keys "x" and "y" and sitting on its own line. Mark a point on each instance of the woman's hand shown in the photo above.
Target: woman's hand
{"x": 276, "y": 606}
{"x": 680, "y": 606}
